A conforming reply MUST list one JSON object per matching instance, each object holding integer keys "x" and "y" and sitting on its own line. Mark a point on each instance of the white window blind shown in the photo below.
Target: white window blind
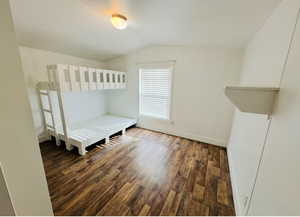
{"x": 155, "y": 92}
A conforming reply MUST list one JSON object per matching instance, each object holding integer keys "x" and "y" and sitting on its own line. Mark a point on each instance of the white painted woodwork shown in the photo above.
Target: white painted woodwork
{"x": 109, "y": 79}
{"x": 259, "y": 100}
{"x": 66, "y": 78}
{"x": 34, "y": 64}
{"x": 84, "y": 78}
{"x": 80, "y": 78}
{"x": 75, "y": 78}
{"x": 106, "y": 79}
{"x": 47, "y": 111}
{"x": 92, "y": 79}
{"x": 99, "y": 77}
{"x": 118, "y": 79}
{"x": 62, "y": 75}
{"x": 86, "y": 133}
{"x": 123, "y": 80}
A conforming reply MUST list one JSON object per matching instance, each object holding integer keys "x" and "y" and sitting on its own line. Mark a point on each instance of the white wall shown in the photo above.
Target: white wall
{"x": 34, "y": 64}
{"x": 263, "y": 66}
{"x": 19, "y": 151}
{"x": 6, "y": 206}
{"x": 83, "y": 106}
{"x": 199, "y": 109}
{"x": 277, "y": 189}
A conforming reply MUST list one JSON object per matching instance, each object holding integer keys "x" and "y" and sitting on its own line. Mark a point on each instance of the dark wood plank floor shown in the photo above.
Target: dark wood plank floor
{"x": 142, "y": 173}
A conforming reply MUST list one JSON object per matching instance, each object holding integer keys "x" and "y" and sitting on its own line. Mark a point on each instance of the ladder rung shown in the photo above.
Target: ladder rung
{"x": 43, "y": 93}
{"x": 47, "y": 110}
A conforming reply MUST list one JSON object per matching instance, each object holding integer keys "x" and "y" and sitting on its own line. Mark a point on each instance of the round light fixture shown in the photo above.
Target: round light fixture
{"x": 119, "y": 21}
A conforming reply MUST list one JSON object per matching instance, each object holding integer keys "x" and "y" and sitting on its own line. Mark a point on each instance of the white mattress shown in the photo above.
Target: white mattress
{"x": 96, "y": 129}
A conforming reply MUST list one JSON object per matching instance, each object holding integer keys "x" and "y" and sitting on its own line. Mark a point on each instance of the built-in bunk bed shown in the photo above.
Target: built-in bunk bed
{"x": 65, "y": 78}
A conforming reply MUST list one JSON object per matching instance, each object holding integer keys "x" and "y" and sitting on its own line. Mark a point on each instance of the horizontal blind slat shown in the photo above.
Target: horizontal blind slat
{"x": 155, "y": 92}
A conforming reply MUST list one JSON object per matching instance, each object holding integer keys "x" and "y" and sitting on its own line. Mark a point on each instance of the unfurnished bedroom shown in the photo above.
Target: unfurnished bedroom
{"x": 149, "y": 107}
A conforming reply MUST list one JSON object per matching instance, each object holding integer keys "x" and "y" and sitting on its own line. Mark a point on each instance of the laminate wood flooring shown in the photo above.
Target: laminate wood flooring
{"x": 142, "y": 173}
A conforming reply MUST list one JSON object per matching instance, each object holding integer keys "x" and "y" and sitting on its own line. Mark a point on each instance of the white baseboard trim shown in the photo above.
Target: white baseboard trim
{"x": 43, "y": 138}
{"x": 187, "y": 135}
{"x": 235, "y": 191}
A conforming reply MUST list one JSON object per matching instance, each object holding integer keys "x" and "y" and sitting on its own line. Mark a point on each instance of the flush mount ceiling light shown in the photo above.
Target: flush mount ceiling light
{"x": 119, "y": 21}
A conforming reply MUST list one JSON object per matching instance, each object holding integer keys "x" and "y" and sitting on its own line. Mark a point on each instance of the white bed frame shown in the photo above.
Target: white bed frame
{"x": 64, "y": 78}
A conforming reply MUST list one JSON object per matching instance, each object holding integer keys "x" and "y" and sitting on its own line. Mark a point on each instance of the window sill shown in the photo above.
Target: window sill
{"x": 169, "y": 121}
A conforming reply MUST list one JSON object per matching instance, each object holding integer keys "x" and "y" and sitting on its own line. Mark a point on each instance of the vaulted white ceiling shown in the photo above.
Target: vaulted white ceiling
{"x": 82, "y": 27}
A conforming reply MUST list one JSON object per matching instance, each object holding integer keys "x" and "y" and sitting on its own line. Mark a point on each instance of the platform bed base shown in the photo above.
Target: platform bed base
{"x": 82, "y": 145}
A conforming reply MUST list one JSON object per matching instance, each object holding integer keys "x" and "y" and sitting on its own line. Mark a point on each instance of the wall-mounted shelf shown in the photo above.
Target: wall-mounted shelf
{"x": 258, "y": 100}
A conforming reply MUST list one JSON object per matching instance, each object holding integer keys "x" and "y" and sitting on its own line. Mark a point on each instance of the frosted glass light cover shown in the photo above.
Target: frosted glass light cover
{"x": 119, "y": 21}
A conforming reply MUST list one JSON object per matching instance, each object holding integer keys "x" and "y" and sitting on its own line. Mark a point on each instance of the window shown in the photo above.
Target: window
{"x": 155, "y": 92}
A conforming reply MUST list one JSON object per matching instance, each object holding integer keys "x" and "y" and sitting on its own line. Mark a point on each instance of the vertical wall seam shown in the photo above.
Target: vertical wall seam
{"x": 269, "y": 124}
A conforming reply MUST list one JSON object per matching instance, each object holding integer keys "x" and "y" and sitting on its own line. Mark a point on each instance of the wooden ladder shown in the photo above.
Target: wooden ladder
{"x": 49, "y": 111}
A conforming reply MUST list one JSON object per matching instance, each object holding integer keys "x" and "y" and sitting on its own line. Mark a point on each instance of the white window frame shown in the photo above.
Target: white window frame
{"x": 171, "y": 71}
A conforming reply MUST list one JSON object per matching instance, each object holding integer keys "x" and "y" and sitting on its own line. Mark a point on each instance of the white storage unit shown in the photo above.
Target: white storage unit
{"x": 64, "y": 78}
